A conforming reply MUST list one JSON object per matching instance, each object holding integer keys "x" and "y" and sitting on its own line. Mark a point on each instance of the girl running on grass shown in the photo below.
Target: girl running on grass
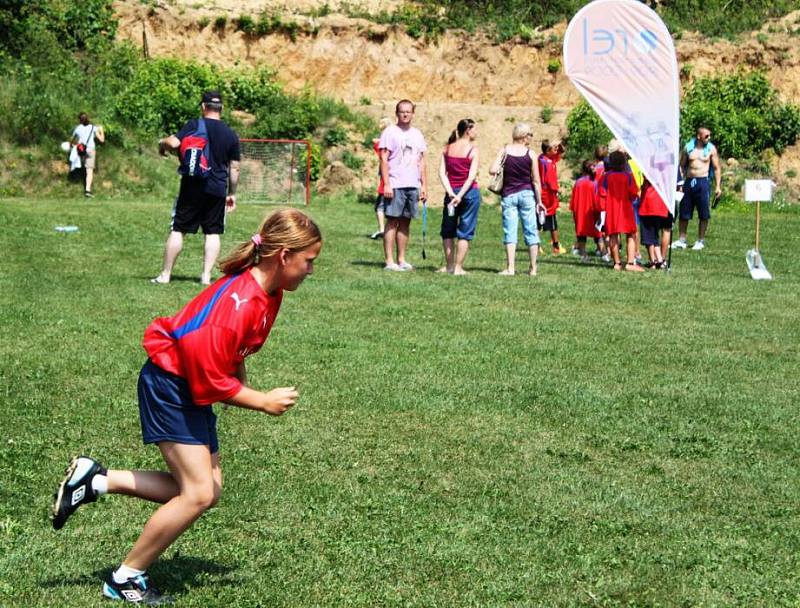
{"x": 196, "y": 358}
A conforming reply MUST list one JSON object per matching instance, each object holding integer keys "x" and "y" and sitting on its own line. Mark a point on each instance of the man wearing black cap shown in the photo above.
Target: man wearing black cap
{"x": 203, "y": 202}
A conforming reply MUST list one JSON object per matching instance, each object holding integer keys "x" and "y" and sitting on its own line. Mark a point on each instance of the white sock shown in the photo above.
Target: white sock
{"x": 123, "y": 573}
{"x": 100, "y": 484}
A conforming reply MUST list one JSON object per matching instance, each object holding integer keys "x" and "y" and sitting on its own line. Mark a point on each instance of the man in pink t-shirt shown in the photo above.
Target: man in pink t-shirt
{"x": 402, "y": 149}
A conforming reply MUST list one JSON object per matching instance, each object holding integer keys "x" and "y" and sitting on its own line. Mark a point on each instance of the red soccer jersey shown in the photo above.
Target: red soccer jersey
{"x": 380, "y": 175}
{"x": 652, "y": 204}
{"x": 583, "y": 205}
{"x": 206, "y": 341}
{"x": 618, "y": 189}
{"x": 548, "y": 174}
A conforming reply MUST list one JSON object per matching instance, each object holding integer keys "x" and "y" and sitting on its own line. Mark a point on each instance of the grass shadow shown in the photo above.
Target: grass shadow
{"x": 173, "y": 279}
{"x": 374, "y": 264}
{"x": 175, "y": 574}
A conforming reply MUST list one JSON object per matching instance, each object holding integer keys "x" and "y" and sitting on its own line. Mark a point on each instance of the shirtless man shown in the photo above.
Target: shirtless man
{"x": 697, "y": 159}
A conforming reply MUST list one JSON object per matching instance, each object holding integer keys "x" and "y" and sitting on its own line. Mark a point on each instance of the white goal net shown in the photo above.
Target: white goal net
{"x": 275, "y": 171}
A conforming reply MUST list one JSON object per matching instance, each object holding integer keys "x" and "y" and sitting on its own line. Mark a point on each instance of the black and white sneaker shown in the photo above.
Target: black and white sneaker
{"x": 75, "y": 489}
{"x": 136, "y": 590}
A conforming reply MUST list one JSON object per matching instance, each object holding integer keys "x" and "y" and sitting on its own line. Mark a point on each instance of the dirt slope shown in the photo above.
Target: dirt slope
{"x": 459, "y": 75}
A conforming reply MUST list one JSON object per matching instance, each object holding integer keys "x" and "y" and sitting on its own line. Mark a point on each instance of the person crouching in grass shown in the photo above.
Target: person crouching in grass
{"x": 618, "y": 190}
{"x": 196, "y": 358}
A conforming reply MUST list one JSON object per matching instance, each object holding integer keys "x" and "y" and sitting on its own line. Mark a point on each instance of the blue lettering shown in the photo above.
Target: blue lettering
{"x": 604, "y": 36}
{"x": 624, "y": 35}
{"x": 647, "y": 42}
{"x": 604, "y": 41}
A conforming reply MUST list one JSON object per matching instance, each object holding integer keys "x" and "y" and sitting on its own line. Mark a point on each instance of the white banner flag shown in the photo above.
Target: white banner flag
{"x": 620, "y": 56}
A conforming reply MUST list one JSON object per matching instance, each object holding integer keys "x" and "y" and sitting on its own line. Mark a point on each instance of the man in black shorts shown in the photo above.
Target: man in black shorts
{"x": 203, "y": 202}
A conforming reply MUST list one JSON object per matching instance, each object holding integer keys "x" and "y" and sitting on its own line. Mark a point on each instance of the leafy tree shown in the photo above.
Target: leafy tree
{"x": 743, "y": 111}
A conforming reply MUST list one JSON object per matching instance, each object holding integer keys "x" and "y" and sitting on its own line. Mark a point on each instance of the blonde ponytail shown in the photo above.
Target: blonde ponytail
{"x": 283, "y": 229}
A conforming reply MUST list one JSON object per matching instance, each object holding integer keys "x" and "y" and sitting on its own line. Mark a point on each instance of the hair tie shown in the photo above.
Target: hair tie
{"x": 256, "y": 238}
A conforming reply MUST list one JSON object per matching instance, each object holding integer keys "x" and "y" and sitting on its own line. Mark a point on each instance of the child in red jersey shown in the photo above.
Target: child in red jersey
{"x": 196, "y": 358}
{"x": 583, "y": 204}
{"x": 380, "y": 203}
{"x": 617, "y": 190}
{"x": 600, "y": 153}
{"x": 548, "y": 173}
{"x": 654, "y": 217}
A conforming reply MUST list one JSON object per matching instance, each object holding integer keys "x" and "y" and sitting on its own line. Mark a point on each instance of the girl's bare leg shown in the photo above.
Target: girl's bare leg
{"x": 198, "y": 478}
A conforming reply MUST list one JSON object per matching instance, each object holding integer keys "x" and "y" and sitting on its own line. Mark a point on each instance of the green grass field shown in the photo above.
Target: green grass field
{"x": 584, "y": 438}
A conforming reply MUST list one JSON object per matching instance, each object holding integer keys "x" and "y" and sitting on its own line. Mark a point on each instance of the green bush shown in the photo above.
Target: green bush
{"x": 75, "y": 25}
{"x": 507, "y": 19}
{"x": 269, "y": 23}
{"x": 246, "y": 24}
{"x": 254, "y": 91}
{"x": 351, "y": 161}
{"x": 163, "y": 93}
{"x": 335, "y": 136}
{"x": 316, "y": 161}
{"x": 48, "y": 78}
{"x": 553, "y": 66}
{"x": 743, "y": 112}
{"x": 42, "y": 110}
{"x": 725, "y": 18}
{"x": 288, "y": 117}
{"x": 585, "y": 131}
{"x": 546, "y": 115}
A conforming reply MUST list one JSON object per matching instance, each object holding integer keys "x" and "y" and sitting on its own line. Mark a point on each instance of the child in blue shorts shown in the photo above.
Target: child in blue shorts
{"x": 196, "y": 359}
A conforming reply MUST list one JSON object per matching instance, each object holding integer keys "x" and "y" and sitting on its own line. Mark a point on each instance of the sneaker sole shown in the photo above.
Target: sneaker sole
{"x": 59, "y": 494}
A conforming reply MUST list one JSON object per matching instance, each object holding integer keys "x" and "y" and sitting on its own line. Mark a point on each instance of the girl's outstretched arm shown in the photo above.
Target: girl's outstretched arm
{"x": 275, "y": 402}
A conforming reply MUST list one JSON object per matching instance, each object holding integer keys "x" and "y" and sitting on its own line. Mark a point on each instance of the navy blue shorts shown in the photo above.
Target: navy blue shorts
{"x": 167, "y": 412}
{"x": 195, "y": 208}
{"x": 696, "y": 193}
{"x": 650, "y": 227}
{"x": 550, "y": 224}
{"x": 464, "y": 221}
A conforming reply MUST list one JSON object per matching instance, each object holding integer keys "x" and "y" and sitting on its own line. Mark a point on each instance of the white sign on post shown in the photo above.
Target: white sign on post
{"x": 758, "y": 190}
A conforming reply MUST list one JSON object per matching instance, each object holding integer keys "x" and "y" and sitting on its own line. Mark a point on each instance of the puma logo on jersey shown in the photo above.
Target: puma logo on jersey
{"x": 236, "y": 299}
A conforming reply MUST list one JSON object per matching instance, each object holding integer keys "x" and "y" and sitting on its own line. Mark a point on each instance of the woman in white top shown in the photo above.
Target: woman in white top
{"x": 83, "y": 138}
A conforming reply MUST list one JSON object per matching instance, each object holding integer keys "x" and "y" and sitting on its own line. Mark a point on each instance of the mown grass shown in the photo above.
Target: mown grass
{"x": 584, "y": 438}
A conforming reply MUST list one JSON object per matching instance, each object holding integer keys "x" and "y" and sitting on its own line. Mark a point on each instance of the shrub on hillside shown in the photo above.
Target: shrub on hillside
{"x": 743, "y": 112}
{"x": 585, "y": 130}
{"x": 40, "y": 109}
{"x": 290, "y": 118}
{"x": 254, "y": 91}
{"x": 163, "y": 93}
{"x": 75, "y": 25}
{"x": 507, "y": 19}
